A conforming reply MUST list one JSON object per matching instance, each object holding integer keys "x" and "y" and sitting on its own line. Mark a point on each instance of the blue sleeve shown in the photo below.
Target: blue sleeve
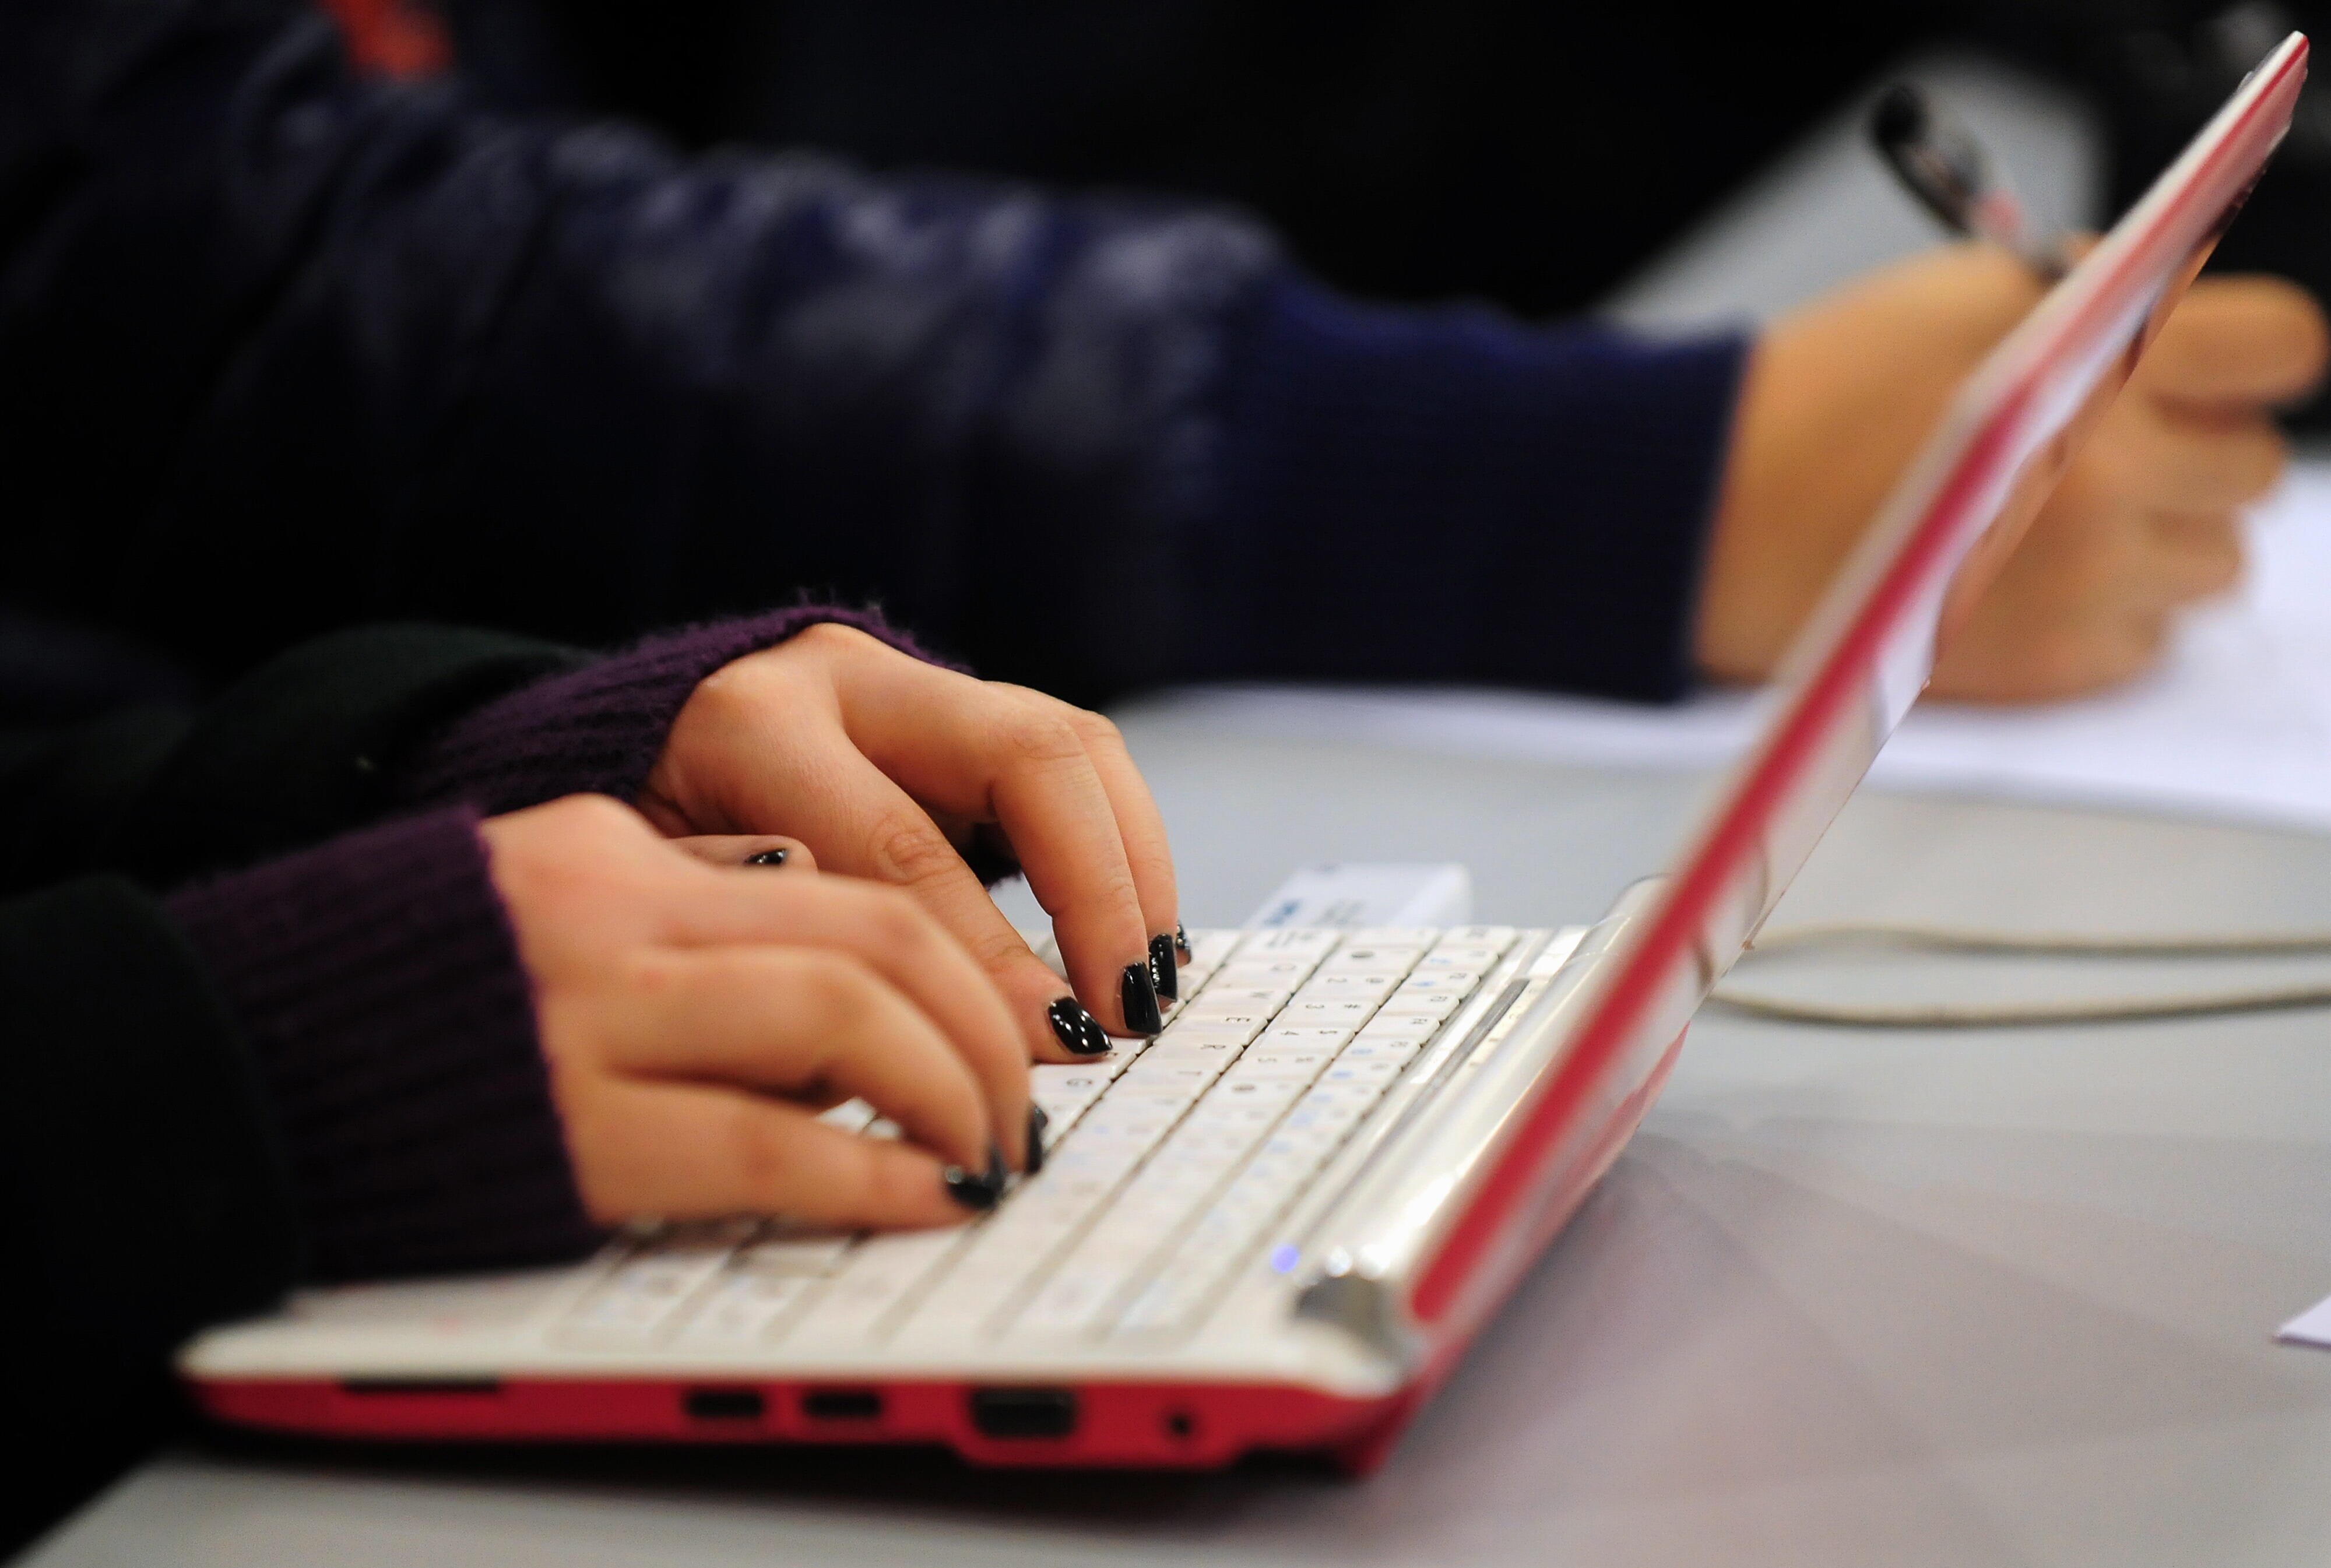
{"x": 1452, "y": 496}
{"x": 281, "y": 349}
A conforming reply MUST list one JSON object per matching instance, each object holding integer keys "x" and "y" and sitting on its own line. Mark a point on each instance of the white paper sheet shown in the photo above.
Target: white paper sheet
{"x": 2312, "y": 1326}
{"x": 2236, "y": 724}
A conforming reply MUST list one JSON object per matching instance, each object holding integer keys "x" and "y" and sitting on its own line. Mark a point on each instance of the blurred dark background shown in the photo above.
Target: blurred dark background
{"x": 1533, "y": 154}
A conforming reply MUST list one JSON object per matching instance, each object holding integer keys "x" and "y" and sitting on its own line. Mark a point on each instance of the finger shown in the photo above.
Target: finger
{"x": 2199, "y": 556}
{"x": 1140, "y": 826}
{"x": 799, "y": 1021}
{"x": 905, "y": 945}
{"x": 2197, "y": 463}
{"x": 764, "y": 851}
{"x": 864, "y": 824}
{"x": 2239, "y": 340}
{"x": 698, "y": 1151}
{"x": 981, "y": 750}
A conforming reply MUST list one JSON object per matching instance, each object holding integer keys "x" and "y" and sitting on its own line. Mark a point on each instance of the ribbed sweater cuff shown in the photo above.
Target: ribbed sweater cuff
{"x": 1453, "y": 496}
{"x": 378, "y": 982}
{"x": 600, "y": 729}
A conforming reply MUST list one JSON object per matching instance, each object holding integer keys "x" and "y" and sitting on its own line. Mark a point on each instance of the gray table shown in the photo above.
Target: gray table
{"x": 1849, "y": 1298}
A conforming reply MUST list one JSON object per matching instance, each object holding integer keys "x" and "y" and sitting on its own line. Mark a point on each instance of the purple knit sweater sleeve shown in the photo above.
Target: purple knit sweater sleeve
{"x": 600, "y": 729}
{"x": 378, "y": 982}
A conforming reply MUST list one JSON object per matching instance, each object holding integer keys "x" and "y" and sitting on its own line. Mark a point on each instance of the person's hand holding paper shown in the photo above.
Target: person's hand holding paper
{"x": 1839, "y": 395}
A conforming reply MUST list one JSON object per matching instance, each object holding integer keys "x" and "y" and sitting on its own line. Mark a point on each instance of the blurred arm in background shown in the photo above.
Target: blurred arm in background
{"x": 283, "y": 348}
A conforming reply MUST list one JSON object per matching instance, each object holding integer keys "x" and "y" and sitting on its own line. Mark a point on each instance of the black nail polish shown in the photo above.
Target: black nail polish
{"x": 1138, "y": 994}
{"x": 1037, "y": 1122}
{"x": 766, "y": 858}
{"x": 1182, "y": 942}
{"x": 980, "y": 1193}
{"x": 1076, "y": 1029}
{"x": 1163, "y": 973}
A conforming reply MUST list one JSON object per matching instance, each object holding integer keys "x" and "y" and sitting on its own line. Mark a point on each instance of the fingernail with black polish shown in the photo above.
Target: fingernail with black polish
{"x": 980, "y": 1193}
{"x": 1076, "y": 1029}
{"x": 766, "y": 858}
{"x": 1163, "y": 973}
{"x": 1037, "y": 1122}
{"x": 1138, "y": 994}
{"x": 1182, "y": 942}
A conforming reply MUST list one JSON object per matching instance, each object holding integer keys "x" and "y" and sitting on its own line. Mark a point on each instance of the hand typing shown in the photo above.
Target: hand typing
{"x": 884, "y": 766}
{"x": 696, "y": 1017}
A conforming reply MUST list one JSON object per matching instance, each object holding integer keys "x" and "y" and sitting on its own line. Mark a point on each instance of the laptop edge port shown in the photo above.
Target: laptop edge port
{"x": 1024, "y": 1412}
{"x": 843, "y": 1404}
{"x": 724, "y": 1404}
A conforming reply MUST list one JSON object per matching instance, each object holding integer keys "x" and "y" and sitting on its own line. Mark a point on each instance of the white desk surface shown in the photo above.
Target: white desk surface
{"x": 1848, "y": 1299}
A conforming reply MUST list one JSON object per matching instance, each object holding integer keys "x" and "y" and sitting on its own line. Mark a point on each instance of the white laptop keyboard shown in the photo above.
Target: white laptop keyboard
{"x": 1167, "y": 1162}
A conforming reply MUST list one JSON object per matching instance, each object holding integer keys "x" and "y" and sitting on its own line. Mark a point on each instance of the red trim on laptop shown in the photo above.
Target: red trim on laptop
{"x": 1183, "y": 1426}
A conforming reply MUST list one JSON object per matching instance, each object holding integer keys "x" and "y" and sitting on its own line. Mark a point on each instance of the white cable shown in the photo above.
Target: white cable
{"x": 2012, "y": 1016}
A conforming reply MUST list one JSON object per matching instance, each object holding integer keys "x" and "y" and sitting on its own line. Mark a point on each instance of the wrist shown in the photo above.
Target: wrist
{"x": 602, "y": 728}
{"x": 380, "y": 987}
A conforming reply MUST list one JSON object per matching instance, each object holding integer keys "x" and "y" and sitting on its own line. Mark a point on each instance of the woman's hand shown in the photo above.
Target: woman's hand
{"x": 885, "y": 766}
{"x": 697, "y": 1016}
{"x": 1841, "y": 394}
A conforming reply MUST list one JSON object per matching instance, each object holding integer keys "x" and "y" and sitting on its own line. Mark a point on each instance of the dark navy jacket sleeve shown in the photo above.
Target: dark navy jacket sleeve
{"x": 283, "y": 350}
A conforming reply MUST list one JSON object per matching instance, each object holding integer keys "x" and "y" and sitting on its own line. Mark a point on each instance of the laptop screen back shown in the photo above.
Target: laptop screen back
{"x": 1869, "y": 651}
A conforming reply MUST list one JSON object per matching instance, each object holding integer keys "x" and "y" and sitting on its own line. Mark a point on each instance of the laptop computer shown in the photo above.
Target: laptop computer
{"x": 1279, "y": 1223}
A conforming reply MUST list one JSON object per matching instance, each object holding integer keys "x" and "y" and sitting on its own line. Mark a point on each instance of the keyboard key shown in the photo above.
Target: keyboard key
{"x": 1213, "y": 948}
{"x": 876, "y": 1280}
{"x": 741, "y": 1308}
{"x": 1234, "y": 1089}
{"x": 1219, "y": 1050}
{"x": 1434, "y": 1005}
{"x": 1397, "y": 1029}
{"x": 1380, "y": 1049}
{"x": 1367, "y": 985}
{"x": 1482, "y": 959}
{"x": 1376, "y": 1071}
{"x": 799, "y": 1255}
{"x": 1310, "y": 942}
{"x": 1241, "y": 1024}
{"x": 1278, "y": 973}
{"x": 1496, "y": 937}
{"x": 1415, "y": 936}
{"x": 1074, "y": 1296}
{"x": 644, "y": 1292}
{"x": 1350, "y": 960}
{"x": 1313, "y": 1036}
{"x": 1166, "y": 1072}
{"x": 1265, "y": 999}
{"x": 1452, "y": 981}
{"x": 1284, "y": 1062}
{"x": 1345, "y": 1012}
{"x": 1139, "y": 1122}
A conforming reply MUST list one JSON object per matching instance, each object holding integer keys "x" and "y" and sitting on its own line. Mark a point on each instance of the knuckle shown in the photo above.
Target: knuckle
{"x": 762, "y": 1163}
{"x": 1097, "y": 729}
{"x": 647, "y": 973}
{"x": 844, "y": 995}
{"x": 904, "y": 847}
{"x": 598, "y": 815}
{"x": 895, "y": 923}
{"x": 834, "y": 637}
{"x": 1036, "y": 735}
